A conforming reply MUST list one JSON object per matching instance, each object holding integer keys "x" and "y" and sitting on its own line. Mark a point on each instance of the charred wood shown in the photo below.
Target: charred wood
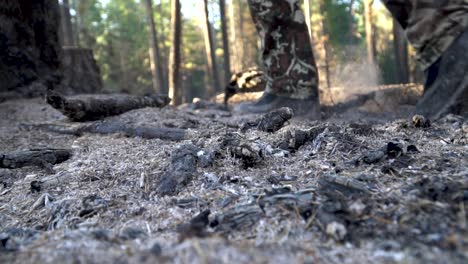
{"x": 93, "y": 108}
{"x": 34, "y": 157}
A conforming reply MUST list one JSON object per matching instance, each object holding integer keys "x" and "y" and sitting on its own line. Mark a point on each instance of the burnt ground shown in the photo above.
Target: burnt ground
{"x": 355, "y": 188}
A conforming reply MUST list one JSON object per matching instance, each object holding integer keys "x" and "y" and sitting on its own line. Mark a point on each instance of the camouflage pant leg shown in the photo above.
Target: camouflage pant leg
{"x": 431, "y": 25}
{"x": 287, "y": 56}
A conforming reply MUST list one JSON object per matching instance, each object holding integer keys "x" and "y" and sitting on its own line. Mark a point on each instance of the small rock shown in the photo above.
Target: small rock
{"x": 394, "y": 150}
{"x": 465, "y": 127}
{"x": 336, "y": 230}
{"x": 412, "y": 148}
{"x": 156, "y": 249}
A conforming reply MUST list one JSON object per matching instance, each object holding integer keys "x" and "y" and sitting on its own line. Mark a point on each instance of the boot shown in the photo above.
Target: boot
{"x": 268, "y": 102}
{"x": 446, "y": 87}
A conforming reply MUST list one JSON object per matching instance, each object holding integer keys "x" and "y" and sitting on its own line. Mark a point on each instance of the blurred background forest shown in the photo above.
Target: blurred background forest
{"x": 357, "y": 45}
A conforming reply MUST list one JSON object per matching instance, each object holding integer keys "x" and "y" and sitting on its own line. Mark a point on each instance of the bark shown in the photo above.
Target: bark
{"x": 227, "y": 62}
{"x": 34, "y": 157}
{"x": 29, "y": 44}
{"x": 232, "y": 24}
{"x": 91, "y": 108}
{"x": 154, "y": 53}
{"x": 174, "y": 61}
{"x": 106, "y": 127}
{"x": 180, "y": 172}
{"x": 369, "y": 31}
{"x": 270, "y": 122}
{"x": 352, "y": 28}
{"x": 401, "y": 53}
{"x": 67, "y": 28}
{"x": 210, "y": 51}
{"x": 164, "y": 48}
{"x": 325, "y": 45}
{"x": 81, "y": 73}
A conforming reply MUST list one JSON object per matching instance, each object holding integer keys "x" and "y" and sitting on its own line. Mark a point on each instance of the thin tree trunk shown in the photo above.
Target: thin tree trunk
{"x": 325, "y": 44}
{"x": 155, "y": 58}
{"x": 352, "y": 28}
{"x": 227, "y": 62}
{"x": 174, "y": 57}
{"x": 369, "y": 31}
{"x": 242, "y": 37}
{"x": 67, "y": 28}
{"x": 210, "y": 52}
{"x": 232, "y": 22}
{"x": 77, "y": 24}
{"x": 401, "y": 52}
{"x": 164, "y": 49}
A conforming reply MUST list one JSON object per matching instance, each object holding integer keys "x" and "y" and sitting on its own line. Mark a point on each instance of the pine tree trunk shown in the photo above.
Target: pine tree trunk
{"x": 401, "y": 52}
{"x": 210, "y": 51}
{"x": 227, "y": 62}
{"x": 37, "y": 47}
{"x": 352, "y": 28}
{"x": 369, "y": 31}
{"x": 232, "y": 23}
{"x": 174, "y": 58}
{"x": 326, "y": 48}
{"x": 66, "y": 25}
{"x": 164, "y": 49}
{"x": 155, "y": 58}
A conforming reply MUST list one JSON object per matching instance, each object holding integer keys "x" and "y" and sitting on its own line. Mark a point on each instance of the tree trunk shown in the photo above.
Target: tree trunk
{"x": 242, "y": 52}
{"x": 401, "y": 52}
{"x": 210, "y": 51}
{"x": 325, "y": 44}
{"x": 369, "y": 31}
{"x": 352, "y": 28}
{"x": 232, "y": 23}
{"x": 29, "y": 45}
{"x": 307, "y": 19}
{"x": 66, "y": 25}
{"x": 155, "y": 58}
{"x": 227, "y": 62}
{"x": 163, "y": 47}
{"x": 174, "y": 61}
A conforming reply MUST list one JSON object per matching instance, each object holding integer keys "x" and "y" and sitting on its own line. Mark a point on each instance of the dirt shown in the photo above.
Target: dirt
{"x": 355, "y": 188}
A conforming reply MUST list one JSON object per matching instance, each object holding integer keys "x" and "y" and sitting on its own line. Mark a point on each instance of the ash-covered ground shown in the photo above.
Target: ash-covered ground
{"x": 353, "y": 188}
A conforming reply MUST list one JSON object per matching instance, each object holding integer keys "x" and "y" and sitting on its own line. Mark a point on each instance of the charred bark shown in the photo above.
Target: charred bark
{"x": 113, "y": 127}
{"x": 34, "y": 157}
{"x": 29, "y": 44}
{"x": 92, "y": 108}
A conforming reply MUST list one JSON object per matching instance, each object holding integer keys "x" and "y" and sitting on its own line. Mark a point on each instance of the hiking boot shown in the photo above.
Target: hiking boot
{"x": 268, "y": 102}
{"x": 446, "y": 87}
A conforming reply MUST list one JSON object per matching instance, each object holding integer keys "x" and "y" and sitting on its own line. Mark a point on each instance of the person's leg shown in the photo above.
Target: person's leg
{"x": 438, "y": 30}
{"x": 446, "y": 87}
{"x": 288, "y": 60}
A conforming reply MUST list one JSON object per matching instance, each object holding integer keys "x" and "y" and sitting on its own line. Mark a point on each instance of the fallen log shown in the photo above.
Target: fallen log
{"x": 113, "y": 127}
{"x": 95, "y": 107}
{"x": 34, "y": 157}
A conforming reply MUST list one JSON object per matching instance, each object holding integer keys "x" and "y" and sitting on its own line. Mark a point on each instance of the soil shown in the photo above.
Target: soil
{"x": 358, "y": 187}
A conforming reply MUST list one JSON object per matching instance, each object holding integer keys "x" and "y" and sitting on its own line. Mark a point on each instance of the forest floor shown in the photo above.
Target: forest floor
{"x": 358, "y": 188}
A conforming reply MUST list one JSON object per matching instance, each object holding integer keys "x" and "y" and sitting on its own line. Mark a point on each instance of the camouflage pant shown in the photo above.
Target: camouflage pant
{"x": 287, "y": 56}
{"x": 431, "y": 25}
